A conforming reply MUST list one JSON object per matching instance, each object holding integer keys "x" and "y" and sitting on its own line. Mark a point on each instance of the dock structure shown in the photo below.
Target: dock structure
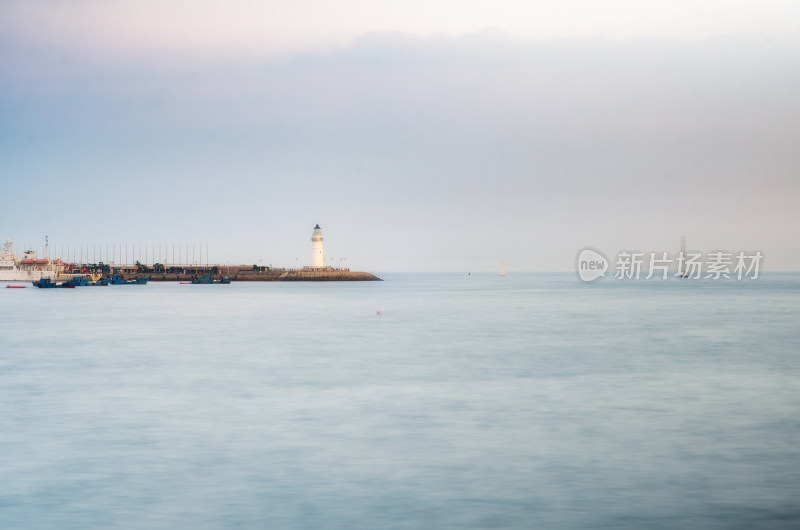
{"x": 154, "y": 263}
{"x": 245, "y": 274}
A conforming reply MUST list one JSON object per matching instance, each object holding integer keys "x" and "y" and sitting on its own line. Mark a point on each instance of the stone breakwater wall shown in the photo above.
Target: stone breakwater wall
{"x": 328, "y": 276}
{"x": 248, "y": 275}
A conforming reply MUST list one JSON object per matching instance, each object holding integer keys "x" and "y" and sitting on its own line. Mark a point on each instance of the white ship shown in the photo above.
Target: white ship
{"x": 29, "y": 268}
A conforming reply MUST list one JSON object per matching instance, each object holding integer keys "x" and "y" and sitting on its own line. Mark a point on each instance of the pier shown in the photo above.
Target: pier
{"x": 133, "y": 261}
{"x": 240, "y": 273}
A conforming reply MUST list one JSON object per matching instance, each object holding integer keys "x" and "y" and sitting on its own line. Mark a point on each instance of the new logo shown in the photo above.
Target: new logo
{"x": 591, "y": 264}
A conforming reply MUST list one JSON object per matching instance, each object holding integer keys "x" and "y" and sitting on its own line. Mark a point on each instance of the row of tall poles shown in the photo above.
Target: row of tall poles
{"x": 123, "y": 254}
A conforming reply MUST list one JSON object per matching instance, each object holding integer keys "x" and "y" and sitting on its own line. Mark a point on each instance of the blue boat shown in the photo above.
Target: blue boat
{"x": 81, "y": 281}
{"x": 208, "y": 279}
{"x": 47, "y": 283}
{"x": 119, "y": 280}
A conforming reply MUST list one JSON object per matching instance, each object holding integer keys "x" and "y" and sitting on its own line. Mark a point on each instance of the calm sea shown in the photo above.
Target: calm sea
{"x": 424, "y": 401}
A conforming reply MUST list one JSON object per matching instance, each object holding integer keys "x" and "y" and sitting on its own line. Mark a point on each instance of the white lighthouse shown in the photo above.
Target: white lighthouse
{"x": 317, "y": 260}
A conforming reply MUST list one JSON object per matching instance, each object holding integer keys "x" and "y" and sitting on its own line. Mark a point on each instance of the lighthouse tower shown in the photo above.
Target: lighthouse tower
{"x": 317, "y": 261}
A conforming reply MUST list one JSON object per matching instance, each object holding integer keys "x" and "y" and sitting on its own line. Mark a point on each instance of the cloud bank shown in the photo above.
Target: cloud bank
{"x": 413, "y": 153}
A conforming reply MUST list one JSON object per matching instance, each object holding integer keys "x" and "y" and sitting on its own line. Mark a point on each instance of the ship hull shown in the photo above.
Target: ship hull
{"x": 23, "y": 275}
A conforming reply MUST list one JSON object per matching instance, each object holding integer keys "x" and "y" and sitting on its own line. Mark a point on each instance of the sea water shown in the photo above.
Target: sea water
{"x": 424, "y": 401}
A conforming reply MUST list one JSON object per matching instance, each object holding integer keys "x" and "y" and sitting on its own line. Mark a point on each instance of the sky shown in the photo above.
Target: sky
{"x": 421, "y": 136}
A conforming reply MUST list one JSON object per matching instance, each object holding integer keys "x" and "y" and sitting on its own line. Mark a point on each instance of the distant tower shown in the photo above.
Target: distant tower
{"x": 317, "y": 261}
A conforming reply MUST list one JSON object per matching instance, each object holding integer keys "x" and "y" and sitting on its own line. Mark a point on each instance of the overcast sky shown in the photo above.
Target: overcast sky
{"x": 434, "y": 135}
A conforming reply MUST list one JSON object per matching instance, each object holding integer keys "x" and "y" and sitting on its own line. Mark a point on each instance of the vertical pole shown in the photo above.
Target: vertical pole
{"x": 683, "y": 255}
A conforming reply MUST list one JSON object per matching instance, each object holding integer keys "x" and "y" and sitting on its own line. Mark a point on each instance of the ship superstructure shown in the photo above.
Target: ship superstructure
{"x": 29, "y": 268}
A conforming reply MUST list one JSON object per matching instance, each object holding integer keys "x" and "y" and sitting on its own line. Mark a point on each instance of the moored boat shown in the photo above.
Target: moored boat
{"x": 81, "y": 281}
{"x": 119, "y": 280}
{"x": 47, "y": 283}
{"x": 208, "y": 279}
{"x": 27, "y": 268}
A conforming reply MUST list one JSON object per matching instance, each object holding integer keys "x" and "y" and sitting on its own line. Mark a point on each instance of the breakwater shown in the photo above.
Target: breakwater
{"x": 248, "y": 274}
{"x": 327, "y": 276}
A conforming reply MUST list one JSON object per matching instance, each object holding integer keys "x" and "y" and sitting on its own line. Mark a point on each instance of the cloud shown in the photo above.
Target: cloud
{"x": 125, "y": 27}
